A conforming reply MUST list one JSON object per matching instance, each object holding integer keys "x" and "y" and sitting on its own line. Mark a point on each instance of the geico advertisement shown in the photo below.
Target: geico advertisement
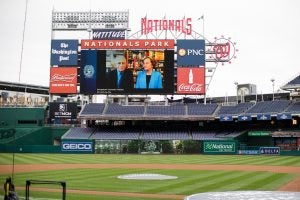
{"x": 77, "y": 146}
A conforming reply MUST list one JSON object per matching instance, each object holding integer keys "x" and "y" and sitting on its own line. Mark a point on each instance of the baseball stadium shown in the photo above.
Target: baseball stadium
{"x": 64, "y": 142}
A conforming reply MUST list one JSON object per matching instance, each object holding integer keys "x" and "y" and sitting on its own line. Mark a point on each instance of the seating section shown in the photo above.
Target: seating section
{"x": 116, "y": 109}
{"x": 93, "y": 109}
{"x": 78, "y": 133}
{"x": 269, "y": 107}
{"x": 294, "y": 108}
{"x": 191, "y": 109}
{"x": 114, "y": 133}
{"x": 201, "y": 109}
{"x": 237, "y": 109}
{"x": 163, "y": 134}
{"x": 177, "y": 109}
{"x": 158, "y": 133}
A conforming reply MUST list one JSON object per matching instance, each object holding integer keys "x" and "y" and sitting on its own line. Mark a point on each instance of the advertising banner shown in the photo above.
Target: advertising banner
{"x": 226, "y": 118}
{"x": 190, "y": 53}
{"x": 219, "y": 147}
{"x": 244, "y": 118}
{"x": 64, "y": 52}
{"x": 269, "y": 150}
{"x": 63, "y": 80}
{"x": 284, "y": 116}
{"x": 63, "y": 110}
{"x": 259, "y": 133}
{"x": 128, "y": 44}
{"x": 88, "y": 72}
{"x": 109, "y": 34}
{"x": 78, "y": 146}
{"x": 191, "y": 80}
{"x": 263, "y": 117}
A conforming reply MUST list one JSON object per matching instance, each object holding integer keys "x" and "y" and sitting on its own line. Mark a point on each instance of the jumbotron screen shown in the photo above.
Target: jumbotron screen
{"x": 127, "y": 71}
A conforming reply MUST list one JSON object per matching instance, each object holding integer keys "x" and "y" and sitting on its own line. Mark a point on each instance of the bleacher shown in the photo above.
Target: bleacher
{"x": 270, "y": 107}
{"x": 201, "y": 109}
{"x": 237, "y": 109}
{"x": 78, "y": 133}
{"x": 180, "y": 111}
{"x": 294, "y": 108}
{"x": 177, "y": 109}
{"x": 116, "y": 109}
{"x": 93, "y": 109}
{"x": 114, "y": 133}
{"x": 165, "y": 134}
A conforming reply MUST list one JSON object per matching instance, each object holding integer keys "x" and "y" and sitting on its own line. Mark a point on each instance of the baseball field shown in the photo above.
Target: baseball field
{"x": 94, "y": 176}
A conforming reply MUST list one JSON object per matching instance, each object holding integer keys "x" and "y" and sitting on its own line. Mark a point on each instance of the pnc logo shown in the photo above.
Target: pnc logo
{"x": 191, "y": 52}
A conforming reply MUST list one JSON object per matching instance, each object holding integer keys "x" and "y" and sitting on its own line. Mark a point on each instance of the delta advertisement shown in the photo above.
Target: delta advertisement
{"x": 63, "y": 80}
{"x": 127, "y": 71}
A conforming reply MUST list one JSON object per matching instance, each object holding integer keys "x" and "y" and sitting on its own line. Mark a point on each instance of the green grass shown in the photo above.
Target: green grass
{"x": 188, "y": 182}
{"x": 159, "y": 159}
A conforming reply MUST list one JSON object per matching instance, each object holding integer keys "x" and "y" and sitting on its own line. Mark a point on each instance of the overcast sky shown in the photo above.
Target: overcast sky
{"x": 266, "y": 32}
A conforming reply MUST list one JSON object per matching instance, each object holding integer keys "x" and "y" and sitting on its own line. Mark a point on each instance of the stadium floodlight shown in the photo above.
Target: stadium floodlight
{"x": 237, "y": 95}
{"x": 273, "y": 80}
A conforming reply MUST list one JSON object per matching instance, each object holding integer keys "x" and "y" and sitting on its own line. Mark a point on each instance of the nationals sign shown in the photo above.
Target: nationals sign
{"x": 127, "y": 44}
{"x": 63, "y": 80}
{"x": 190, "y": 80}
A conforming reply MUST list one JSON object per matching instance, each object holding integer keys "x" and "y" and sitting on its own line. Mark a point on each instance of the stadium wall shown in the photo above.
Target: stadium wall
{"x": 21, "y": 117}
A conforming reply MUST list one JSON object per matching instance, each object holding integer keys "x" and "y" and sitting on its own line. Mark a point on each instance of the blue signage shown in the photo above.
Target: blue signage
{"x": 88, "y": 72}
{"x": 64, "y": 52}
{"x": 269, "y": 150}
{"x": 109, "y": 34}
{"x": 190, "y": 53}
{"x": 77, "y": 146}
{"x": 263, "y": 117}
{"x": 244, "y": 118}
{"x": 226, "y": 118}
{"x": 284, "y": 116}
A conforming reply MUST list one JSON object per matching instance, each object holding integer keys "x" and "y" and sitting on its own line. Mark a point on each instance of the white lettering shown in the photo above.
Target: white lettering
{"x": 190, "y": 88}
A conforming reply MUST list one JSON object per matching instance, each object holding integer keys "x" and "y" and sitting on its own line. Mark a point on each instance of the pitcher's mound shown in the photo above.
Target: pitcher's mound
{"x": 146, "y": 177}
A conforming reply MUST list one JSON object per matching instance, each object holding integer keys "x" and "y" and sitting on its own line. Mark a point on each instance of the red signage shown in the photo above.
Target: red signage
{"x": 180, "y": 25}
{"x": 190, "y": 80}
{"x": 63, "y": 80}
{"x": 127, "y": 44}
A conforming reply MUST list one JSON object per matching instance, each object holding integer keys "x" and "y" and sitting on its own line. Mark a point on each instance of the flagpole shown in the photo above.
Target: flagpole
{"x": 203, "y": 25}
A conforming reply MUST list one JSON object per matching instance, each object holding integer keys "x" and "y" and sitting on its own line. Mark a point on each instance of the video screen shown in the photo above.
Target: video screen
{"x": 127, "y": 72}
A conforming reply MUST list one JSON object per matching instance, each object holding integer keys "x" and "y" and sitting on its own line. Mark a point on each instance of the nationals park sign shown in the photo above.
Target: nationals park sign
{"x": 219, "y": 147}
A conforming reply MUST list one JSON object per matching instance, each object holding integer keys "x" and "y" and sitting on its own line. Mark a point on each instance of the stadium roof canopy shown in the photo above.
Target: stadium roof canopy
{"x": 20, "y": 87}
{"x": 294, "y": 84}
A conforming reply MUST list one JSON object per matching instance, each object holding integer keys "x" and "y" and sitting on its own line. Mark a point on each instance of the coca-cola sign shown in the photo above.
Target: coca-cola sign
{"x": 63, "y": 80}
{"x": 190, "y": 88}
{"x": 190, "y": 80}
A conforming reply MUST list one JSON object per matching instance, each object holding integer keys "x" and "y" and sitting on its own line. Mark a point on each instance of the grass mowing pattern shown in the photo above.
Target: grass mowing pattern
{"x": 159, "y": 159}
{"x": 188, "y": 182}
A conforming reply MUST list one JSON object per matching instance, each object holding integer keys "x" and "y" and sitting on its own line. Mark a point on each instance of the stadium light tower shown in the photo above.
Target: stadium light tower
{"x": 273, "y": 80}
{"x": 237, "y": 95}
